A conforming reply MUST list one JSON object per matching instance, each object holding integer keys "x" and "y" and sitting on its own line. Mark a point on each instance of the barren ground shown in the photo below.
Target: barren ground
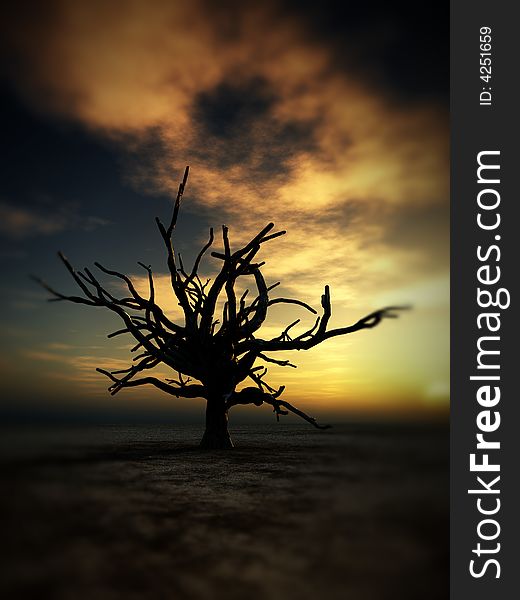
{"x": 359, "y": 512}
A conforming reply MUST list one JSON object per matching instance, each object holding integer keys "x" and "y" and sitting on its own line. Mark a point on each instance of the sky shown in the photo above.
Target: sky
{"x": 330, "y": 119}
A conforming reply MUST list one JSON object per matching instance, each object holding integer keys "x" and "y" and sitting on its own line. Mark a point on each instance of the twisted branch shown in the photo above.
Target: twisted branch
{"x": 195, "y": 350}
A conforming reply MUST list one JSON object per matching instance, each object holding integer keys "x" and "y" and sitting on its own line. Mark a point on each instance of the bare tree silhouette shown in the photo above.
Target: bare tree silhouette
{"x": 215, "y": 349}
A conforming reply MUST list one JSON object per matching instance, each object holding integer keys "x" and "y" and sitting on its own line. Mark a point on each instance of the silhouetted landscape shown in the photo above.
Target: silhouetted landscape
{"x": 319, "y": 118}
{"x": 359, "y": 511}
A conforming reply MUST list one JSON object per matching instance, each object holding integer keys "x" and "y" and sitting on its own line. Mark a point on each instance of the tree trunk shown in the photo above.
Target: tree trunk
{"x": 216, "y": 436}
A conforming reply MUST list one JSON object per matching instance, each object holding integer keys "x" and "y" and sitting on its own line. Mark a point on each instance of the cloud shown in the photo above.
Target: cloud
{"x": 19, "y": 223}
{"x": 70, "y": 364}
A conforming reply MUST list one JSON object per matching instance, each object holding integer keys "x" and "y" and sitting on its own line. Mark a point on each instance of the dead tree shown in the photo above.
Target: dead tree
{"x": 215, "y": 349}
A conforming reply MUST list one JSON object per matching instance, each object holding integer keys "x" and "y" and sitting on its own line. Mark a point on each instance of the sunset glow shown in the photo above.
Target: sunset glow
{"x": 278, "y": 124}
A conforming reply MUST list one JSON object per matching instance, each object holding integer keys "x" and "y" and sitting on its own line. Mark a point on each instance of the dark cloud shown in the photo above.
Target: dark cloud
{"x": 224, "y": 111}
{"x": 400, "y": 46}
{"x": 235, "y": 124}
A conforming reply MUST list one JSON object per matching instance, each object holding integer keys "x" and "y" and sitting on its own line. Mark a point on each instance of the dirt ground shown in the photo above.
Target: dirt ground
{"x": 358, "y": 512}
